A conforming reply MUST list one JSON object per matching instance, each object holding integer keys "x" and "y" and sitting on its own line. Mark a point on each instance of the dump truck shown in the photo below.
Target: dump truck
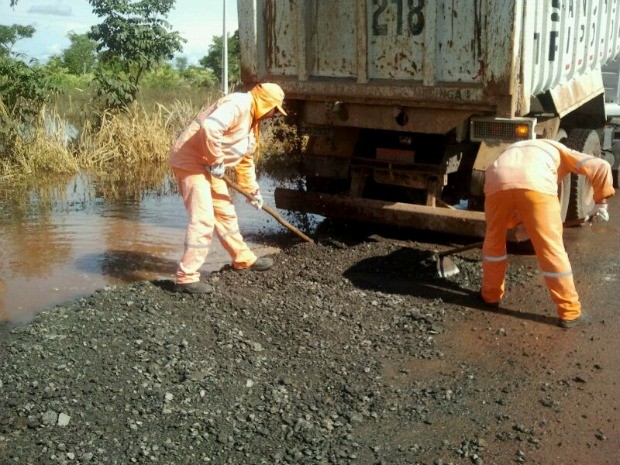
{"x": 405, "y": 103}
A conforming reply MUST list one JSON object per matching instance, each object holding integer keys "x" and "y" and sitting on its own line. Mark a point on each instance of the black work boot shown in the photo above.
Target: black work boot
{"x": 581, "y": 320}
{"x": 485, "y": 303}
{"x": 261, "y": 264}
{"x": 194, "y": 288}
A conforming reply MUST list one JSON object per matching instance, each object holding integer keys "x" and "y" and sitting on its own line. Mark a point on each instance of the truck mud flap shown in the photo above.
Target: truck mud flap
{"x": 446, "y": 220}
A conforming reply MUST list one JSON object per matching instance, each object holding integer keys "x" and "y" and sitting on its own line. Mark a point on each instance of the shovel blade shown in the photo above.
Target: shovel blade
{"x": 446, "y": 267}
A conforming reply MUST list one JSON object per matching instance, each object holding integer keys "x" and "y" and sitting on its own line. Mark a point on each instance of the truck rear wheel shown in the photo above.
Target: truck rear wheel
{"x": 581, "y": 201}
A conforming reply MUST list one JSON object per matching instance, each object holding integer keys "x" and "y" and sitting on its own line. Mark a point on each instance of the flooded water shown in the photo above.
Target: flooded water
{"x": 51, "y": 256}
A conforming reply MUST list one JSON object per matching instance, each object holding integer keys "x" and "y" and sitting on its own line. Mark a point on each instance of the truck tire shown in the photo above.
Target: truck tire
{"x": 581, "y": 201}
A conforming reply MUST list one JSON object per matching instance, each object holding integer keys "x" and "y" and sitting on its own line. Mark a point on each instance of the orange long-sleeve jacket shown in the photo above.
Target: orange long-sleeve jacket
{"x": 539, "y": 164}
{"x": 220, "y": 134}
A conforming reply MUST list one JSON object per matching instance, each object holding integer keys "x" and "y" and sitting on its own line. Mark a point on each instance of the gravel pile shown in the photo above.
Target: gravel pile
{"x": 312, "y": 362}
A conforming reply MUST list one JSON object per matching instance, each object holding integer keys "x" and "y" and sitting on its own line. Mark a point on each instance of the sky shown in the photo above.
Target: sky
{"x": 198, "y": 21}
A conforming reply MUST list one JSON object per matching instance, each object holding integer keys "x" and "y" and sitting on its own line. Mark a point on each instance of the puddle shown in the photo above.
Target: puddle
{"x": 83, "y": 244}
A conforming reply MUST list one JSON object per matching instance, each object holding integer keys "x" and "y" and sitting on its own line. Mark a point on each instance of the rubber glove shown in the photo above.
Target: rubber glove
{"x": 599, "y": 213}
{"x": 257, "y": 200}
{"x": 217, "y": 170}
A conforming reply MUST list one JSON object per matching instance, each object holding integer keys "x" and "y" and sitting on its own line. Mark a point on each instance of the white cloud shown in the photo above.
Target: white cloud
{"x": 56, "y": 10}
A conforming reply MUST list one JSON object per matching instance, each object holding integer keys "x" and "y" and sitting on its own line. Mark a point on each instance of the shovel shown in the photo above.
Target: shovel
{"x": 445, "y": 265}
{"x": 269, "y": 210}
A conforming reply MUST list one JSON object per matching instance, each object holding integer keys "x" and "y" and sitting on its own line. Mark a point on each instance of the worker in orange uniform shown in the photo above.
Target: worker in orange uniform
{"x": 521, "y": 188}
{"x": 224, "y": 135}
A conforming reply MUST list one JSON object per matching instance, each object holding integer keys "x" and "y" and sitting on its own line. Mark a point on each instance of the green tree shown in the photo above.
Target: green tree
{"x": 24, "y": 88}
{"x": 133, "y": 38}
{"x": 9, "y": 35}
{"x": 81, "y": 55}
{"x": 213, "y": 60}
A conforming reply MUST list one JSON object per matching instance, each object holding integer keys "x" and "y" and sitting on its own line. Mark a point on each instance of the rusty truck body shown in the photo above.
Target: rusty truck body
{"x": 406, "y": 102}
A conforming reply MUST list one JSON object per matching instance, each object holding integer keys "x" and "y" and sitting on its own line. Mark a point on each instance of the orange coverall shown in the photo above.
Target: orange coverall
{"x": 226, "y": 132}
{"x": 521, "y": 187}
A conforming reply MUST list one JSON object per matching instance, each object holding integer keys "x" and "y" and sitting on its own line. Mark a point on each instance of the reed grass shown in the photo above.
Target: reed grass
{"x": 123, "y": 137}
{"x": 150, "y": 98}
{"x": 125, "y": 150}
{"x": 75, "y": 106}
{"x": 41, "y": 149}
{"x": 125, "y": 154}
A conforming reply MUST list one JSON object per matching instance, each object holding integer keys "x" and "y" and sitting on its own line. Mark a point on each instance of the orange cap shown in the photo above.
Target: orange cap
{"x": 268, "y": 96}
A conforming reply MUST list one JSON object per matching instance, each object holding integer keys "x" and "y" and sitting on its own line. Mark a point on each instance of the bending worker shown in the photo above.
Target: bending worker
{"x": 222, "y": 136}
{"x": 521, "y": 187}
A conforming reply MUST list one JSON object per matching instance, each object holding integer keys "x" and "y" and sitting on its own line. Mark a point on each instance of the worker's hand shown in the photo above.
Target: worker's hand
{"x": 599, "y": 213}
{"x": 257, "y": 200}
{"x": 217, "y": 170}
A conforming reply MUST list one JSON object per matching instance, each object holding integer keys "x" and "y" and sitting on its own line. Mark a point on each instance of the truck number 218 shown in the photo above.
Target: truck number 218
{"x": 415, "y": 16}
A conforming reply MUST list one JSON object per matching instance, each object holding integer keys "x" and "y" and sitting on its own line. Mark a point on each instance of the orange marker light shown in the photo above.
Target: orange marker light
{"x": 522, "y": 131}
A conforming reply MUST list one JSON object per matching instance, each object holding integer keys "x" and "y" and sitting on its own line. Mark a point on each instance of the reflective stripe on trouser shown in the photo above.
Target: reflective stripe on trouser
{"x": 209, "y": 206}
{"x": 541, "y": 217}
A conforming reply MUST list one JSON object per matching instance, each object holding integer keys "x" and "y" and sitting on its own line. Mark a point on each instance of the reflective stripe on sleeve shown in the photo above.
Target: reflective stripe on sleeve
{"x": 233, "y": 149}
{"x": 488, "y": 258}
{"x": 220, "y": 123}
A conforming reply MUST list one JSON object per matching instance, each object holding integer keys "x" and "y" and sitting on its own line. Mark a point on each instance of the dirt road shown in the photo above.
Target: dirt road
{"x": 348, "y": 351}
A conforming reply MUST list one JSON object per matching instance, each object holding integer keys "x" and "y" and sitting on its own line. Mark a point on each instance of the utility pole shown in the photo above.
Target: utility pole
{"x": 224, "y": 52}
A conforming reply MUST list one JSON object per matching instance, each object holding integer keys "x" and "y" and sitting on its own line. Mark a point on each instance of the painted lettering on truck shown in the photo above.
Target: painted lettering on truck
{"x": 415, "y": 16}
{"x": 585, "y": 33}
{"x": 554, "y": 33}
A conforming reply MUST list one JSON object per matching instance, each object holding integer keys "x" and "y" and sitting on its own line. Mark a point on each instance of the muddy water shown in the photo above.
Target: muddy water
{"x": 84, "y": 244}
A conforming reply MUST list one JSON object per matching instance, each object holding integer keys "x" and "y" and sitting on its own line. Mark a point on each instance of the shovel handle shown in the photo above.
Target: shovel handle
{"x": 475, "y": 245}
{"x": 268, "y": 210}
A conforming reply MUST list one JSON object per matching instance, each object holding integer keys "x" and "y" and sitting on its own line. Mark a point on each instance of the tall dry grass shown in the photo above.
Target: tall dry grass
{"x": 134, "y": 136}
{"x": 123, "y": 137}
{"x": 123, "y": 152}
{"x": 41, "y": 149}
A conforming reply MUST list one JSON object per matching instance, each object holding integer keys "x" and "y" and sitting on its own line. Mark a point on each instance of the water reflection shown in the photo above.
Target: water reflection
{"x": 64, "y": 242}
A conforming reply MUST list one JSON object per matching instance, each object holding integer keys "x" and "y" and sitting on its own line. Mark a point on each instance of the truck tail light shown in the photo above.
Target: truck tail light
{"x": 501, "y": 129}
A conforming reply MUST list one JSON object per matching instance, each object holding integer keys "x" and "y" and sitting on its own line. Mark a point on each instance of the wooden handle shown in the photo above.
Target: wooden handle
{"x": 269, "y": 210}
{"x": 475, "y": 245}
